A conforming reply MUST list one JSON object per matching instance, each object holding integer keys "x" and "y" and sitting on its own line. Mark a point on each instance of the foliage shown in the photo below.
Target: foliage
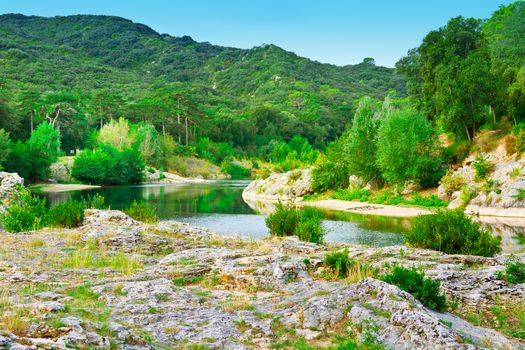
{"x": 107, "y": 165}
{"x": 424, "y": 289}
{"x": 414, "y": 155}
{"x": 338, "y": 262}
{"x": 4, "y": 147}
{"x": 452, "y": 232}
{"x": 482, "y": 167}
{"x": 514, "y": 271}
{"x": 387, "y": 197}
{"x": 236, "y": 171}
{"x": 452, "y": 182}
{"x": 31, "y": 159}
{"x": 283, "y": 221}
{"x": 94, "y": 202}
{"x": 67, "y": 214}
{"x": 360, "y": 141}
{"x": 331, "y": 170}
{"x": 141, "y": 211}
{"x": 25, "y": 212}
{"x": 309, "y": 228}
{"x": 238, "y": 99}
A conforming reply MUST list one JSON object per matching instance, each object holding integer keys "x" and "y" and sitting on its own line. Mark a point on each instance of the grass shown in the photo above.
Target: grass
{"x": 507, "y": 317}
{"x": 388, "y": 197}
{"x": 514, "y": 271}
{"x": 89, "y": 257}
{"x": 340, "y": 266}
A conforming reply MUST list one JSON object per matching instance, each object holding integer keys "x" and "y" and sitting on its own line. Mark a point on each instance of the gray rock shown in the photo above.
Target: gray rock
{"x": 289, "y": 186}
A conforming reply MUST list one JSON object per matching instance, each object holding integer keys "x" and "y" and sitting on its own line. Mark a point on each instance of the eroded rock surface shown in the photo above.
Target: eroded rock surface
{"x": 288, "y": 186}
{"x": 118, "y": 283}
{"x": 8, "y": 184}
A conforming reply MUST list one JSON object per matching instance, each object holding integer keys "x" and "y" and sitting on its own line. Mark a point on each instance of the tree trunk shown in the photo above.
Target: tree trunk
{"x": 492, "y": 112}
{"x": 186, "y": 131}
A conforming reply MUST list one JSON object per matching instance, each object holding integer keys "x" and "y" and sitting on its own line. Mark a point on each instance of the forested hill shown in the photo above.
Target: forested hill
{"x": 88, "y": 56}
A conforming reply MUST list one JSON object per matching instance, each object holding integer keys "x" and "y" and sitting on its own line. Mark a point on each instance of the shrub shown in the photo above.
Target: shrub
{"x": 331, "y": 170}
{"x": 452, "y": 232}
{"x": 309, "y": 227}
{"x": 4, "y": 147}
{"x": 408, "y": 150}
{"x": 511, "y": 144}
{"x": 26, "y": 212}
{"x": 516, "y": 172}
{"x": 482, "y": 167}
{"x": 414, "y": 282}
{"x": 283, "y": 221}
{"x": 519, "y": 195}
{"x": 514, "y": 271}
{"x": 141, "y": 211}
{"x": 490, "y": 185}
{"x": 236, "y": 171}
{"x": 32, "y": 159}
{"x": 94, "y": 202}
{"x": 341, "y": 266}
{"x": 520, "y": 141}
{"x": 353, "y": 194}
{"x": 68, "y": 214}
{"x": 107, "y": 165}
{"x": 452, "y": 182}
{"x": 338, "y": 262}
{"x": 467, "y": 194}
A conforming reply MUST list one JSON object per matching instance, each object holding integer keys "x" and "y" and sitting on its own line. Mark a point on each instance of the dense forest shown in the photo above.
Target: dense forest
{"x": 85, "y": 70}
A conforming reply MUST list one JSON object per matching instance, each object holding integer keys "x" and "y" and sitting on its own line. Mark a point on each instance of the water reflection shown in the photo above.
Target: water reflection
{"x": 218, "y": 206}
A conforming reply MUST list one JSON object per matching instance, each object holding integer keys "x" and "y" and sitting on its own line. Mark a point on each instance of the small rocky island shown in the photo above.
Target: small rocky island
{"x": 115, "y": 283}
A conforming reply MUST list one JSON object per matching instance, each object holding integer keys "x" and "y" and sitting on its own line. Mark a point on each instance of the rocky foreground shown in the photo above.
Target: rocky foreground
{"x": 118, "y": 284}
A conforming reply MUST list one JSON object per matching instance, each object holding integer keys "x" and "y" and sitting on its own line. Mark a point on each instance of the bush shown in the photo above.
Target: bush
{"x": 236, "y": 171}
{"x": 341, "y": 266}
{"x": 309, "y": 227}
{"x": 352, "y": 194}
{"x": 26, "y": 212}
{"x": 407, "y": 150}
{"x": 482, "y": 167}
{"x": 331, "y": 170}
{"x": 511, "y": 145}
{"x": 107, "y": 165}
{"x": 283, "y": 221}
{"x": 452, "y": 232}
{"x": 452, "y": 182}
{"x": 414, "y": 282}
{"x": 94, "y": 202}
{"x": 68, "y": 214}
{"x": 514, "y": 271}
{"x": 141, "y": 211}
{"x": 338, "y": 262}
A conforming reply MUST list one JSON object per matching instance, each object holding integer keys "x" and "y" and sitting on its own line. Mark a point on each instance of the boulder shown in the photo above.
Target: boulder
{"x": 8, "y": 184}
{"x": 288, "y": 186}
{"x": 355, "y": 182}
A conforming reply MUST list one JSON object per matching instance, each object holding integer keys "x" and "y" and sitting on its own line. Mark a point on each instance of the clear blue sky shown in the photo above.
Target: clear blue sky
{"x": 332, "y": 31}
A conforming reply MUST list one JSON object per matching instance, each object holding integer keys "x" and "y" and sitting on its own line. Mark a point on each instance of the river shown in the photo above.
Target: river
{"x": 218, "y": 206}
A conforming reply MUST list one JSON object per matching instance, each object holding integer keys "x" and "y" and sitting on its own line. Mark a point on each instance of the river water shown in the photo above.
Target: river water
{"x": 218, "y": 206}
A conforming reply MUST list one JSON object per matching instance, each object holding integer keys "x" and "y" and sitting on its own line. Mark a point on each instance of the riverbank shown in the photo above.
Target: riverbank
{"x": 118, "y": 282}
{"x": 367, "y": 208}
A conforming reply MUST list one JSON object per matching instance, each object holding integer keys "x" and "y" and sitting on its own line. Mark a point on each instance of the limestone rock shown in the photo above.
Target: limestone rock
{"x": 8, "y": 184}
{"x": 288, "y": 186}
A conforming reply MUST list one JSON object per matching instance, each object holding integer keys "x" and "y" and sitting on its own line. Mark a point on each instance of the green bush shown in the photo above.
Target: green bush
{"x": 94, "y": 202}
{"x": 514, "y": 271}
{"x": 236, "y": 171}
{"x": 309, "y": 227}
{"x": 283, "y": 221}
{"x": 68, "y": 214}
{"x": 141, "y": 211}
{"x": 452, "y": 232}
{"x": 482, "y": 167}
{"x": 414, "y": 282}
{"x": 352, "y": 194}
{"x": 26, "y": 212}
{"x": 452, "y": 182}
{"x": 108, "y": 165}
{"x": 408, "y": 150}
{"x": 331, "y": 170}
{"x": 338, "y": 262}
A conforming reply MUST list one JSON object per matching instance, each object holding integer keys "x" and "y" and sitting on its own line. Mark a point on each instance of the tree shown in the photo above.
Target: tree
{"x": 32, "y": 159}
{"x": 407, "y": 149}
{"x": 5, "y": 148}
{"x": 360, "y": 142}
{"x": 117, "y": 133}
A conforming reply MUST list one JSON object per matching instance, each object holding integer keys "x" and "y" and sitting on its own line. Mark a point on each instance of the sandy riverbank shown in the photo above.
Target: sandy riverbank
{"x": 367, "y": 208}
{"x": 56, "y": 188}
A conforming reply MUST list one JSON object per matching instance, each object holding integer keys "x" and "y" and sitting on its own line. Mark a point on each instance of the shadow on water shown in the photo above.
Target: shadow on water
{"x": 218, "y": 206}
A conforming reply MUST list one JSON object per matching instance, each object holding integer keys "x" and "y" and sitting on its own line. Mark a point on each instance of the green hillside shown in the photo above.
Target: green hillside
{"x": 104, "y": 67}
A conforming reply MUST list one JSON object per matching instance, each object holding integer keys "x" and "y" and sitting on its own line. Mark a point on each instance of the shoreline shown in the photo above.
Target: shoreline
{"x": 349, "y": 206}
